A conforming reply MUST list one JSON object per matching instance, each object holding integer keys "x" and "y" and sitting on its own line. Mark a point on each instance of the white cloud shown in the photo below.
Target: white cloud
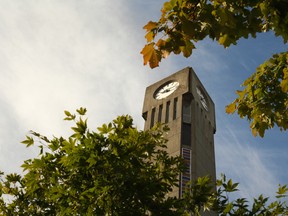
{"x": 63, "y": 55}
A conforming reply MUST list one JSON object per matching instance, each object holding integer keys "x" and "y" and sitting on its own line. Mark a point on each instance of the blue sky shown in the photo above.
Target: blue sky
{"x": 60, "y": 55}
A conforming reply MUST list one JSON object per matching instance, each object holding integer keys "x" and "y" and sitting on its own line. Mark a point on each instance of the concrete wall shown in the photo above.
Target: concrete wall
{"x": 202, "y": 122}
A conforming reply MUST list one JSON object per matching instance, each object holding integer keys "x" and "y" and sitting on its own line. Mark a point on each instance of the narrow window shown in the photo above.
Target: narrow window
{"x": 175, "y": 108}
{"x": 186, "y": 110}
{"x": 167, "y": 112}
{"x": 186, "y": 134}
{"x": 160, "y": 113}
{"x": 144, "y": 115}
{"x": 152, "y": 118}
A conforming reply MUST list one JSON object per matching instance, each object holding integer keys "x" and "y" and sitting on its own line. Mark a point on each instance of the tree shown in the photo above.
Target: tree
{"x": 117, "y": 170}
{"x": 199, "y": 198}
{"x": 264, "y": 100}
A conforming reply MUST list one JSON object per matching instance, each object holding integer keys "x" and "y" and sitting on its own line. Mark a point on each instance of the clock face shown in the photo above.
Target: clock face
{"x": 202, "y": 98}
{"x": 166, "y": 90}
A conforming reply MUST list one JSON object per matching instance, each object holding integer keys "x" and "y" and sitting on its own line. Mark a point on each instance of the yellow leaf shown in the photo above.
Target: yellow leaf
{"x": 149, "y": 36}
{"x": 160, "y": 43}
{"x": 150, "y": 55}
{"x": 231, "y": 108}
{"x": 150, "y": 25}
{"x": 254, "y": 132}
{"x": 241, "y": 94}
{"x": 284, "y": 83}
{"x": 146, "y": 52}
{"x": 168, "y": 6}
{"x": 225, "y": 40}
{"x": 247, "y": 81}
{"x": 154, "y": 60}
{"x": 214, "y": 13}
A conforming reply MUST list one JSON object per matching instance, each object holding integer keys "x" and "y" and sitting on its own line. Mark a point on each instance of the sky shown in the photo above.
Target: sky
{"x": 62, "y": 55}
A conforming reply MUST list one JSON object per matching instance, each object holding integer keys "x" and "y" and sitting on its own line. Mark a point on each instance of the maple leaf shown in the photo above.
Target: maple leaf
{"x": 150, "y": 55}
{"x": 231, "y": 107}
{"x": 150, "y": 26}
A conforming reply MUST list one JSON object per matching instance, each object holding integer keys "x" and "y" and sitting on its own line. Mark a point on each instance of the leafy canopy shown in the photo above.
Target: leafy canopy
{"x": 116, "y": 170}
{"x": 185, "y": 22}
{"x": 264, "y": 100}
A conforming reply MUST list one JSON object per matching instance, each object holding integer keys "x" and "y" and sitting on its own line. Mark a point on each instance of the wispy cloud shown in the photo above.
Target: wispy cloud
{"x": 240, "y": 159}
{"x": 58, "y": 56}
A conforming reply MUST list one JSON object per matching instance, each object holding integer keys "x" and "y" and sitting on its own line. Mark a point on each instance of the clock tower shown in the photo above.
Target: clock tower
{"x": 182, "y": 102}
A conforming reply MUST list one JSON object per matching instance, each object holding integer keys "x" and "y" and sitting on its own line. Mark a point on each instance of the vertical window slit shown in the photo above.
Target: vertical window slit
{"x": 152, "y": 118}
{"x": 167, "y": 112}
{"x": 160, "y": 113}
{"x": 186, "y": 108}
{"x": 175, "y": 108}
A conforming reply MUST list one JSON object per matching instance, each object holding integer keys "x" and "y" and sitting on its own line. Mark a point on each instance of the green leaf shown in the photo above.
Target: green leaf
{"x": 188, "y": 28}
{"x": 282, "y": 191}
{"x": 69, "y": 116}
{"x": 28, "y": 142}
{"x": 187, "y": 49}
{"x": 105, "y": 129}
{"x": 67, "y": 113}
{"x": 228, "y": 208}
{"x": 92, "y": 161}
{"x": 82, "y": 111}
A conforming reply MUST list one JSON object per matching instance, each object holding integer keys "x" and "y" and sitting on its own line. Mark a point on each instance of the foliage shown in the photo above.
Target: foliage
{"x": 184, "y": 22}
{"x": 200, "y": 197}
{"x": 115, "y": 171}
{"x": 241, "y": 206}
{"x": 264, "y": 100}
